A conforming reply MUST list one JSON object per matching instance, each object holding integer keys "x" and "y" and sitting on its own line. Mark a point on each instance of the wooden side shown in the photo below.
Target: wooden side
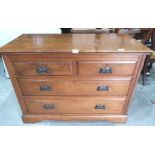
{"x": 137, "y": 73}
{"x": 15, "y": 83}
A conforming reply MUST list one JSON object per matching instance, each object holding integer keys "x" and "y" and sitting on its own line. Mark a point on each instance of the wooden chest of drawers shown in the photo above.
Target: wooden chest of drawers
{"x": 52, "y": 82}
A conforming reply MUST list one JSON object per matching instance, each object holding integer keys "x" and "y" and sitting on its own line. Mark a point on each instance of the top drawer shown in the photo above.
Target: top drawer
{"x": 106, "y": 67}
{"x": 43, "y": 68}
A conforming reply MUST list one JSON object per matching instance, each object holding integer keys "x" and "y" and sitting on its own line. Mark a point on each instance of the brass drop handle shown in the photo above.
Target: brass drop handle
{"x": 100, "y": 106}
{"x": 42, "y": 69}
{"x": 45, "y": 88}
{"x": 48, "y": 106}
{"x": 105, "y": 70}
{"x": 102, "y": 88}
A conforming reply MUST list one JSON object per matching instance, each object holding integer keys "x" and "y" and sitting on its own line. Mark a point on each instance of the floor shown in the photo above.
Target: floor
{"x": 141, "y": 111}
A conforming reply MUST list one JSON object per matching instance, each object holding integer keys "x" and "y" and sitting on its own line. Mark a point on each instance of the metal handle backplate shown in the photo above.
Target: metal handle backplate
{"x": 100, "y": 106}
{"x": 48, "y": 106}
{"x": 102, "y": 88}
{"x": 45, "y": 88}
{"x": 42, "y": 69}
{"x": 105, "y": 70}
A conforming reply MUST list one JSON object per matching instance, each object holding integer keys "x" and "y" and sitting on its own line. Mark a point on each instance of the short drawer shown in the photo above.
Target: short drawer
{"x": 74, "y": 105}
{"x": 106, "y": 67}
{"x": 43, "y": 68}
{"x": 59, "y": 86}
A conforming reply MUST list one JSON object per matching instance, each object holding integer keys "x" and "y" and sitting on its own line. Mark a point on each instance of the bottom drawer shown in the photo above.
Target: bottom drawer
{"x": 74, "y": 105}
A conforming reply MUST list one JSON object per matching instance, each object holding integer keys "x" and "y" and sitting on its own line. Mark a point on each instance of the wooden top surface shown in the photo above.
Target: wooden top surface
{"x": 68, "y": 42}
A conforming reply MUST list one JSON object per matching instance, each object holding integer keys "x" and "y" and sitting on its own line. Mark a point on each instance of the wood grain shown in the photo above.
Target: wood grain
{"x": 53, "y": 68}
{"x": 117, "y": 67}
{"x": 71, "y": 88}
{"x": 15, "y": 83}
{"x": 31, "y": 118}
{"x": 74, "y": 105}
{"x": 67, "y": 42}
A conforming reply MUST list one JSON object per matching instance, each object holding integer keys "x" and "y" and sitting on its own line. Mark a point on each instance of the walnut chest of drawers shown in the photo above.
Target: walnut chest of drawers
{"x": 74, "y": 76}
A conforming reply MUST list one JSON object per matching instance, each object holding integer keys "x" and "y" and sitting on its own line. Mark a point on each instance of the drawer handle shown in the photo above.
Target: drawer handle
{"x": 99, "y": 106}
{"x": 42, "y": 69}
{"x": 102, "y": 88}
{"x": 105, "y": 70}
{"x": 48, "y": 106}
{"x": 45, "y": 88}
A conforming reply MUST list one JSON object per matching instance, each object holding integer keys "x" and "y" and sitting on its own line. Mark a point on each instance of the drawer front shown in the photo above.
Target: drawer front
{"x": 74, "y": 87}
{"x": 43, "y": 68}
{"x": 70, "y": 105}
{"x": 106, "y": 67}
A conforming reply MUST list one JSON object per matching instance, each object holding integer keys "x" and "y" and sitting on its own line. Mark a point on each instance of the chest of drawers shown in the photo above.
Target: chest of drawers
{"x": 54, "y": 83}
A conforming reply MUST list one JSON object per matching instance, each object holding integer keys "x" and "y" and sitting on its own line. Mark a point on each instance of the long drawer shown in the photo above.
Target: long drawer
{"x": 106, "y": 67}
{"x": 73, "y": 105}
{"x": 71, "y": 86}
{"x": 43, "y": 68}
